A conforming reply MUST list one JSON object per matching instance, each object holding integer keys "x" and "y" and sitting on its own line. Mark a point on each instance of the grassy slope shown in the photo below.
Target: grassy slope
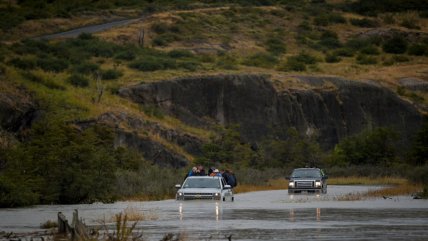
{"x": 224, "y": 40}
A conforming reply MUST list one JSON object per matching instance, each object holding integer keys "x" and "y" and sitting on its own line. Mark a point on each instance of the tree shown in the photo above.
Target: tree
{"x": 374, "y": 147}
{"x": 419, "y": 149}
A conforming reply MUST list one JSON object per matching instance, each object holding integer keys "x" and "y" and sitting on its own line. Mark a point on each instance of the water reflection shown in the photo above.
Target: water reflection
{"x": 292, "y": 214}
{"x": 191, "y": 210}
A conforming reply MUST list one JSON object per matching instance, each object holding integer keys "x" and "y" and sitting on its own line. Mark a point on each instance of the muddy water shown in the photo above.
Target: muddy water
{"x": 268, "y": 215}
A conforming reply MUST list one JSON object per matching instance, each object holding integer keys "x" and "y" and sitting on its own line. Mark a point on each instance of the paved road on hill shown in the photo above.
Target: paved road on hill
{"x": 88, "y": 29}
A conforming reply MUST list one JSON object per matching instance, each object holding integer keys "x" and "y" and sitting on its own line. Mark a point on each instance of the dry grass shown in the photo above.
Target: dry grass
{"x": 367, "y": 181}
{"x": 133, "y": 214}
{"x": 386, "y": 193}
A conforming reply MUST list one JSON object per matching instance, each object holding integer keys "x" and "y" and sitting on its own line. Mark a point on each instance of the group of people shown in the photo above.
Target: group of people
{"x": 227, "y": 174}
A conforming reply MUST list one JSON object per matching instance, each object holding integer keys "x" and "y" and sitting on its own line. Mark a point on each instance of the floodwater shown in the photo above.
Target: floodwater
{"x": 266, "y": 215}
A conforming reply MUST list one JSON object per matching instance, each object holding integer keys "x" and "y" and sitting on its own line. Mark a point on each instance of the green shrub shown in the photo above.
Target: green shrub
{"x": 276, "y": 45}
{"x": 418, "y": 49}
{"x": 298, "y": 62}
{"x": 86, "y": 68}
{"x": 366, "y": 60}
{"x": 263, "y": 60}
{"x": 227, "y": 61}
{"x": 188, "y": 65}
{"x": 330, "y": 43}
{"x": 165, "y": 39}
{"x": 125, "y": 55}
{"x": 111, "y": 74}
{"x": 151, "y": 63}
{"x": 52, "y": 64}
{"x": 23, "y": 63}
{"x": 293, "y": 64}
{"x": 78, "y": 80}
{"x": 410, "y": 23}
{"x": 160, "y": 27}
{"x": 370, "y": 50}
{"x": 364, "y": 22}
{"x": 327, "y": 19}
{"x": 358, "y": 43}
{"x": 395, "y": 45}
{"x": 419, "y": 174}
{"x": 332, "y": 58}
{"x": 400, "y": 58}
{"x": 344, "y": 52}
{"x": 86, "y": 36}
{"x": 9, "y": 19}
{"x": 373, "y": 147}
{"x": 305, "y": 58}
{"x": 180, "y": 53}
{"x": 41, "y": 80}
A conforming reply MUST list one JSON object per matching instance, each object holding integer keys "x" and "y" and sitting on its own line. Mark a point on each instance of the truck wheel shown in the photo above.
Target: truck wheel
{"x": 232, "y": 199}
{"x": 224, "y": 199}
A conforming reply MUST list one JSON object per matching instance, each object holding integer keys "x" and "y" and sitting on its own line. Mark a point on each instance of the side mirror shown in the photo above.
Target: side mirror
{"x": 287, "y": 178}
{"x": 227, "y": 187}
{"x": 177, "y": 186}
{"x": 325, "y": 177}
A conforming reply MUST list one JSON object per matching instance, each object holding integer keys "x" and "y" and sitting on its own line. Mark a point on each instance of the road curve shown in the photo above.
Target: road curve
{"x": 87, "y": 29}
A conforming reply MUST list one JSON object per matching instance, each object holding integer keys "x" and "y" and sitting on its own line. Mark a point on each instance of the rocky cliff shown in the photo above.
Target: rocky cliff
{"x": 329, "y": 108}
{"x": 17, "y": 108}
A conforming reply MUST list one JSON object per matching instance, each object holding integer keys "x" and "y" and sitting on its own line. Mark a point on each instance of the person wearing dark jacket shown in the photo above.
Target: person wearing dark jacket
{"x": 230, "y": 178}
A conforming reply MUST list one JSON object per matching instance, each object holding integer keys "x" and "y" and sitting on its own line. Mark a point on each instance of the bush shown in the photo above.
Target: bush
{"x": 160, "y": 28}
{"x": 357, "y": 43}
{"x": 395, "y": 45}
{"x": 418, "y": 49}
{"x": 370, "y": 50}
{"x": 373, "y": 147}
{"x": 275, "y": 45}
{"x": 400, "y": 58}
{"x": 293, "y": 64}
{"x": 189, "y": 65}
{"x": 86, "y": 68}
{"x": 332, "y": 58}
{"x": 330, "y": 43}
{"x": 306, "y": 58}
{"x": 165, "y": 39}
{"x": 227, "y": 61}
{"x": 23, "y": 63}
{"x": 327, "y": 19}
{"x": 298, "y": 62}
{"x": 125, "y": 55}
{"x": 263, "y": 60}
{"x": 364, "y": 22}
{"x": 78, "y": 80}
{"x": 180, "y": 53}
{"x": 151, "y": 63}
{"x": 44, "y": 81}
{"x": 344, "y": 52}
{"x": 52, "y": 64}
{"x": 111, "y": 74}
{"x": 366, "y": 60}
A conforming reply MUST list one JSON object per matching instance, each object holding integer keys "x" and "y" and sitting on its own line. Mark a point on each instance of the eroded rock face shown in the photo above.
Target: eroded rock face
{"x": 150, "y": 149}
{"x": 17, "y": 110}
{"x": 260, "y": 109}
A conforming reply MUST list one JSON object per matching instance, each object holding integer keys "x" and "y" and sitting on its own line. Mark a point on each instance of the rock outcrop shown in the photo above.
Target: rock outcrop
{"x": 17, "y": 109}
{"x": 128, "y": 131}
{"x": 343, "y": 108}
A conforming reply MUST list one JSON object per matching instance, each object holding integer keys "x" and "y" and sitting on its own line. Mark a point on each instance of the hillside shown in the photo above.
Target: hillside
{"x": 247, "y": 85}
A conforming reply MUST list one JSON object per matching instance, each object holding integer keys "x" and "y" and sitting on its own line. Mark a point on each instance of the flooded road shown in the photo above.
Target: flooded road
{"x": 267, "y": 215}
